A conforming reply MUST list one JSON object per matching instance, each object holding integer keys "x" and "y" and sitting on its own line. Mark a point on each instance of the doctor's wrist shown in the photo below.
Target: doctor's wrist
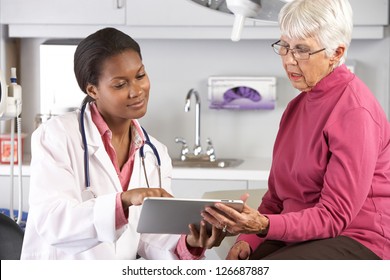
{"x": 126, "y": 201}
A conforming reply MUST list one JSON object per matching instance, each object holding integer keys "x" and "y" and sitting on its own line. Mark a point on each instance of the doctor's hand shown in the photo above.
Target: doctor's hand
{"x": 201, "y": 239}
{"x": 136, "y": 196}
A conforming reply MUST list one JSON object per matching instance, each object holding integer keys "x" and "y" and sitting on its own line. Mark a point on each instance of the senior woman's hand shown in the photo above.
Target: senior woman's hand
{"x": 240, "y": 251}
{"x": 247, "y": 221}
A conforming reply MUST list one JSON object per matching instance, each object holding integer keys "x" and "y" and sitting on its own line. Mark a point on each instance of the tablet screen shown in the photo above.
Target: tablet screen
{"x": 173, "y": 215}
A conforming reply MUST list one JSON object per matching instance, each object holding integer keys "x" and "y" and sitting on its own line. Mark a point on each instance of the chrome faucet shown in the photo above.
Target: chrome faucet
{"x": 197, "y": 154}
{"x": 198, "y": 147}
{"x": 210, "y": 151}
{"x": 184, "y": 148}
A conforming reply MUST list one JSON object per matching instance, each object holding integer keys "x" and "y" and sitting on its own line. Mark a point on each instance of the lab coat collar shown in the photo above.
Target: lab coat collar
{"x": 96, "y": 148}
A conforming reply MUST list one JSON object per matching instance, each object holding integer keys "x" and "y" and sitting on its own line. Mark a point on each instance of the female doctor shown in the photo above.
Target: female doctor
{"x": 87, "y": 177}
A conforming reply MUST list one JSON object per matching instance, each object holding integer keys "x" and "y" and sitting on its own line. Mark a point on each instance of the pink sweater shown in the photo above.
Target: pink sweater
{"x": 330, "y": 173}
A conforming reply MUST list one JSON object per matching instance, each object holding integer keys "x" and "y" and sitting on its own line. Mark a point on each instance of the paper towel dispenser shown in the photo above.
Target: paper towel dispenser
{"x": 242, "y": 93}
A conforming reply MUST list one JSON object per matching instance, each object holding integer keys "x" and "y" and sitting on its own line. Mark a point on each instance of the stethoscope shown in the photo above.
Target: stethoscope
{"x": 141, "y": 152}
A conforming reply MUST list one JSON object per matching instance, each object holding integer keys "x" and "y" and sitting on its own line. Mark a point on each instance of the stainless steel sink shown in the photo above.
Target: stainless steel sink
{"x": 201, "y": 163}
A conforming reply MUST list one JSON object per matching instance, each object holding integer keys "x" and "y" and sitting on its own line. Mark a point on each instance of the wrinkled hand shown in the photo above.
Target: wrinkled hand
{"x": 201, "y": 239}
{"x": 240, "y": 251}
{"x": 248, "y": 221}
{"x": 136, "y": 196}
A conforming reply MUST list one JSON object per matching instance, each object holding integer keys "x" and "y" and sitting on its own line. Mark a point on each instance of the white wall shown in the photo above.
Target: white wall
{"x": 9, "y": 57}
{"x": 175, "y": 66}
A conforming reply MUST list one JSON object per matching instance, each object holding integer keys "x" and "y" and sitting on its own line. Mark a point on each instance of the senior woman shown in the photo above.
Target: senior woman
{"x": 329, "y": 184}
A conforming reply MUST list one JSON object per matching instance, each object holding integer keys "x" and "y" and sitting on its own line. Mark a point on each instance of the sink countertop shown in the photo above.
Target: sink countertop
{"x": 252, "y": 169}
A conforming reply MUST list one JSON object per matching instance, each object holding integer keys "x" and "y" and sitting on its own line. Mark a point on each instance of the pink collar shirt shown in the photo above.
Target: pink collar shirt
{"x": 125, "y": 173}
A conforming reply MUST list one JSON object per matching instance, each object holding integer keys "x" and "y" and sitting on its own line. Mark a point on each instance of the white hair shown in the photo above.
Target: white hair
{"x": 327, "y": 21}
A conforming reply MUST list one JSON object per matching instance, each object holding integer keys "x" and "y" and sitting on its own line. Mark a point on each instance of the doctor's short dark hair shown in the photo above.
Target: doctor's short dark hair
{"x": 92, "y": 51}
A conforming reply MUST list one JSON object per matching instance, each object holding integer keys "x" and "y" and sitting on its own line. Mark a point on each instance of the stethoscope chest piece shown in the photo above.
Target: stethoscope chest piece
{"x": 87, "y": 194}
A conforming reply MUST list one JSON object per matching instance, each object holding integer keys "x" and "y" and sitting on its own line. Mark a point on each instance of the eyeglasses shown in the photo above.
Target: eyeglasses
{"x": 298, "y": 54}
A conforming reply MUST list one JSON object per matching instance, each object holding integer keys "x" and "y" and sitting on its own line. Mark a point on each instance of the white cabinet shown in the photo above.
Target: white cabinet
{"x": 190, "y": 188}
{"x": 253, "y": 173}
{"x": 150, "y": 13}
{"x": 373, "y": 12}
{"x": 63, "y": 12}
{"x": 157, "y": 19}
{"x": 118, "y": 12}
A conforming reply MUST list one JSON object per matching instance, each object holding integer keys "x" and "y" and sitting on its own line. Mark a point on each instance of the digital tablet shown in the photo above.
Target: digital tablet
{"x": 173, "y": 215}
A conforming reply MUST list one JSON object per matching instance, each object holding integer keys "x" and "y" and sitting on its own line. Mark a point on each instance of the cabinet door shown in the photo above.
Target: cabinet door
{"x": 196, "y": 188}
{"x": 373, "y": 12}
{"x": 62, "y": 12}
{"x": 174, "y": 13}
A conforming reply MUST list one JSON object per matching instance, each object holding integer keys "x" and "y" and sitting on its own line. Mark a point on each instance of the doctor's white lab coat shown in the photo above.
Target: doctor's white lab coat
{"x": 65, "y": 221}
